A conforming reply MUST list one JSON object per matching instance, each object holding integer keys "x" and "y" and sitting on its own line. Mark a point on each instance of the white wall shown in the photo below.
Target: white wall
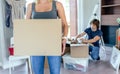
{"x": 0, "y": 31}
{"x": 5, "y": 34}
{"x": 85, "y": 10}
{"x": 2, "y": 46}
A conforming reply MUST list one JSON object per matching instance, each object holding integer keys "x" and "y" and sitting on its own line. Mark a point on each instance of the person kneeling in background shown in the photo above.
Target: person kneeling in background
{"x": 94, "y": 35}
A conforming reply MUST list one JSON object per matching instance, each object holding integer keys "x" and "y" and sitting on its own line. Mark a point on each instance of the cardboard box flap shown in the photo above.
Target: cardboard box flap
{"x": 78, "y": 44}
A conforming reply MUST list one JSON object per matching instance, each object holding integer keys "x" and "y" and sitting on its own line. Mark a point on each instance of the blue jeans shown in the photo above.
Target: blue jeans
{"x": 38, "y": 64}
{"x": 94, "y": 52}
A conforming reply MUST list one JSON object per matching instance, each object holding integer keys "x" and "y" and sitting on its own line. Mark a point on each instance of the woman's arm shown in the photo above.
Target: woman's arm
{"x": 29, "y": 11}
{"x": 61, "y": 15}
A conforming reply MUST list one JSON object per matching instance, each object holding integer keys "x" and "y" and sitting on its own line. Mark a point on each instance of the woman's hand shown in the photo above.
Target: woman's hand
{"x": 63, "y": 46}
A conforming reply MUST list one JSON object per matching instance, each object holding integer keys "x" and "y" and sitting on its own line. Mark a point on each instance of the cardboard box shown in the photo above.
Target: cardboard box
{"x": 118, "y": 38}
{"x": 46, "y": 65}
{"x": 37, "y": 37}
{"x": 80, "y": 64}
{"x": 79, "y": 50}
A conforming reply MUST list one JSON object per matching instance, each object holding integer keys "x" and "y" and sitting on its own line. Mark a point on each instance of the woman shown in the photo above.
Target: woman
{"x": 94, "y": 35}
{"x": 47, "y": 9}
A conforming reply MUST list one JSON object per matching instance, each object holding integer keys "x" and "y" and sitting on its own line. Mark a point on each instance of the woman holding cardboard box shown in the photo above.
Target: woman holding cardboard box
{"x": 47, "y": 9}
{"x": 94, "y": 35}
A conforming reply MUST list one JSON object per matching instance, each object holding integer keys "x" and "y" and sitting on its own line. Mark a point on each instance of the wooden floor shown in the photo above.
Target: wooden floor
{"x": 94, "y": 68}
{"x": 98, "y": 67}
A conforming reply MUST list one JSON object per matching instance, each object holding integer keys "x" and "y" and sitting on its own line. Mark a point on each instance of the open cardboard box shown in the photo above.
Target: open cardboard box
{"x": 79, "y": 50}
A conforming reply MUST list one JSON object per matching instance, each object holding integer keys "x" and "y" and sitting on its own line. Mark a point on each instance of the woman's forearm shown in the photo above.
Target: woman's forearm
{"x": 65, "y": 30}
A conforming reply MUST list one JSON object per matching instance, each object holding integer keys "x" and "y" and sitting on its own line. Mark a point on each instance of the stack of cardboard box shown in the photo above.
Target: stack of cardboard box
{"x": 80, "y": 64}
{"x": 77, "y": 59}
